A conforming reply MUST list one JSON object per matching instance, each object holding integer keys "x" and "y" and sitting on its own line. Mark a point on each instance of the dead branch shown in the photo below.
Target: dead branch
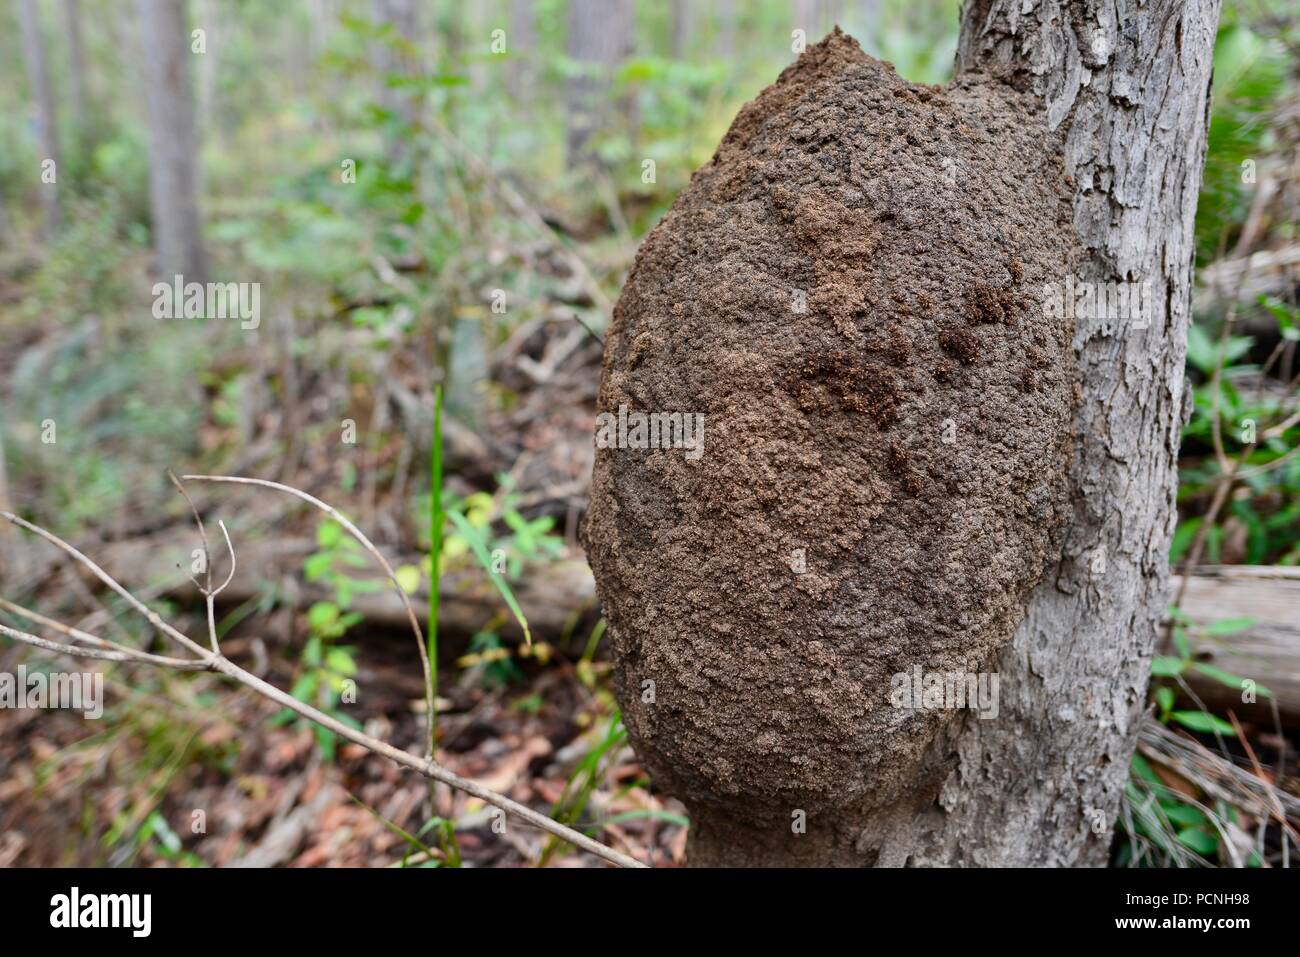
{"x": 213, "y": 660}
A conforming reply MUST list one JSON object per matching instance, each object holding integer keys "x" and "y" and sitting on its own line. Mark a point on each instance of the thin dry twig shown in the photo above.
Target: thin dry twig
{"x": 215, "y": 661}
{"x": 369, "y": 546}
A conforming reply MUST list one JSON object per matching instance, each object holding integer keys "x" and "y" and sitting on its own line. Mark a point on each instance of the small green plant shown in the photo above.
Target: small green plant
{"x": 1171, "y": 668}
{"x": 502, "y": 555}
{"x": 586, "y": 777}
{"x": 1239, "y": 475}
{"x": 1165, "y": 826}
{"x": 328, "y": 668}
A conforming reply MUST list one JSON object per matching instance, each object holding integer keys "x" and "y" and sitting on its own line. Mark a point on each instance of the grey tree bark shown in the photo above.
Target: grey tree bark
{"x": 600, "y": 37}
{"x": 173, "y": 143}
{"x": 683, "y": 27}
{"x": 77, "y": 87}
{"x": 1040, "y": 784}
{"x": 42, "y": 92}
{"x": 522, "y": 39}
{"x": 1128, "y": 84}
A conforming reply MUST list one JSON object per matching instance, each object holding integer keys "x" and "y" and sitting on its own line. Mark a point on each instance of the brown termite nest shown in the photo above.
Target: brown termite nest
{"x": 851, "y": 292}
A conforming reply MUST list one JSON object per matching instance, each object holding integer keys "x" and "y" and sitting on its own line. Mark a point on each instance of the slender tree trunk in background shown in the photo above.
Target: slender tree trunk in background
{"x": 320, "y": 22}
{"x": 387, "y": 61}
{"x": 173, "y": 145}
{"x": 1040, "y": 784}
{"x": 77, "y": 73}
{"x": 724, "y": 15}
{"x": 817, "y": 17}
{"x": 522, "y": 40}
{"x": 683, "y": 27}
{"x": 42, "y": 92}
{"x": 600, "y": 38}
{"x": 867, "y": 25}
{"x": 207, "y": 114}
{"x": 831, "y": 12}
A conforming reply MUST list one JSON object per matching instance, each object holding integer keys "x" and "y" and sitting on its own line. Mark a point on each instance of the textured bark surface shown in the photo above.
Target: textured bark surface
{"x": 1129, "y": 85}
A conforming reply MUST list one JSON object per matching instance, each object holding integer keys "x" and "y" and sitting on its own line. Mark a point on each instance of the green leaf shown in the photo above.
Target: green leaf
{"x": 1235, "y": 682}
{"x": 323, "y": 615}
{"x": 476, "y": 543}
{"x": 328, "y": 533}
{"x": 1200, "y": 350}
{"x": 327, "y": 741}
{"x": 408, "y": 576}
{"x": 1167, "y": 666}
{"x": 340, "y": 661}
{"x": 1183, "y": 538}
{"x": 409, "y": 838}
{"x": 317, "y": 566}
{"x": 1287, "y": 318}
{"x": 1184, "y": 815}
{"x": 304, "y": 689}
{"x": 1198, "y": 841}
{"x": 313, "y": 651}
{"x": 1201, "y": 721}
{"x": 653, "y": 815}
{"x": 1229, "y": 626}
{"x": 1165, "y": 701}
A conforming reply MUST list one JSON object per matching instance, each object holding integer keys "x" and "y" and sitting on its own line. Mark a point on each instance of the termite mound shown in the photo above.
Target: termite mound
{"x": 850, "y": 292}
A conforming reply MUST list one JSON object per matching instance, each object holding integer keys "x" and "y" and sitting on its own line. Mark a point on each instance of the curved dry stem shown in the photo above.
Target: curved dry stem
{"x": 203, "y": 534}
{"x": 215, "y": 661}
{"x": 369, "y": 546}
{"x": 424, "y": 766}
{"x": 231, "y": 548}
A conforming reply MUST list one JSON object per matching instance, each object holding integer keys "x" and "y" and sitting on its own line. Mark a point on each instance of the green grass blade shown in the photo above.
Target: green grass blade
{"x": 479, "y": 548}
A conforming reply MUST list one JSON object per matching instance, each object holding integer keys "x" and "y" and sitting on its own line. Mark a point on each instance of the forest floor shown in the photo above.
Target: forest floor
{"x": 127, "y": 793}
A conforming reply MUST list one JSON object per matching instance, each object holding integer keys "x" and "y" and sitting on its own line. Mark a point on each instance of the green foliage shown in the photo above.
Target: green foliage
{"x": 501, "y": 556}
{"x": 588, "y": 774}
{"x": 327, "y": 669}
{"x": 1250, "y": 75}
{"x": 1269, "y": 509}
{"x": 1164, "y": 827}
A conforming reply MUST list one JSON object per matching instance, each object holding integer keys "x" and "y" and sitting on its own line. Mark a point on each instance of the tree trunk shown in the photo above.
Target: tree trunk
{"x": 173, "y": 146}
{"x": 403, "y": 17}
{"x": 724, "y": 15}
{"x": 817, "y": 17}
{"x": 72, "y": 14}
{"x": 600, "y": 37}
{"x": 42, "y": 92}
{"x": 1040, "y": 784}
{"x": 683, "y": 27}
{"x": 522, "y": 39}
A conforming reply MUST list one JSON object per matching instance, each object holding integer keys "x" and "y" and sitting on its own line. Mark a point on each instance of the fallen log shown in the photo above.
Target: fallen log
{"x": 559, "y": 598}
{"x": 1267, "y": 651}
{"x": 556, "y": 598}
